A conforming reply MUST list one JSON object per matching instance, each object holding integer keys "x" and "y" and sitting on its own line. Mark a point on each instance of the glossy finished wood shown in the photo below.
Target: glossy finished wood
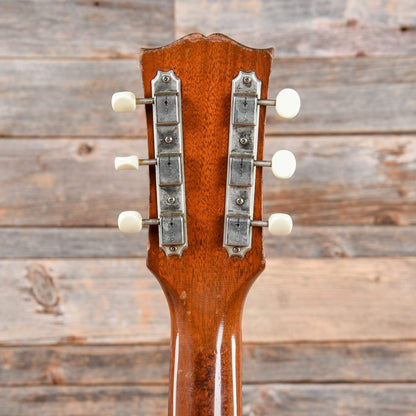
{"x": 205, "y": 288}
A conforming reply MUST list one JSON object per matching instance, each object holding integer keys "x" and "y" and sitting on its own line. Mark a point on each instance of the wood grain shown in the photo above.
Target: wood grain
{"x": 339, "y": 96}
{"x": 353, "y": 64}
{"x": 118, "y": 301}
{"x": 205, "y": 288}
{"x": 274, "y": 363}
{"x": 267, "y": 400}
{"x": 303, "y": 242}
{"x": 334, "y": 400}
{"x": 346, "y": 95}
{"x": 116, "y": 29}
{"x": 335, "y": 28}
{"x": 69, "y": 97}
{"x": 343, "y": 180}
{"x": 84, "y": 28}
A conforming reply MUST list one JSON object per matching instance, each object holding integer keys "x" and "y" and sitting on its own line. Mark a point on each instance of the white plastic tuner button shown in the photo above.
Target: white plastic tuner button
{"x": 280, "y": 224}
{"x": 123, "y": 102}
{"x": 283, "y": 164}
{"x": 128, "y": 162}
{"x": 287, "y": 103}
{"x": 130, "y": 222}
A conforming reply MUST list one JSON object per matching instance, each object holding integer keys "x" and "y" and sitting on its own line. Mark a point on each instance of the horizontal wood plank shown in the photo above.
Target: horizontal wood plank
{"x": 331, "y": 400}
{"x": 303, "y": 242}
{"x": 346, "y": 180}
{"x": 28, "y": 242}
{"x": 334, "y": 28}
{"x": 84, "y": 28}
{"x": 72, "y": 98}
{"x": 67, "y": 98}
{"x": 141, "y": 364}
{"x": 118, "y": 301}
{"x": 362, "y": 95}
{"x": 90, "y": 28}
{"x": 269, "y": 399}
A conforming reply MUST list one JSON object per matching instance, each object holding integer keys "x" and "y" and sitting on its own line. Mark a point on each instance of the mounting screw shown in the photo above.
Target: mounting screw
{"x": 172, "y": 248}
{"x": 171, "y": 200}
{"x": 243, "y": 140}
{"x": 165, "y": 78}
{"x": 239, "y": 201}
{"x": 247, "y": 80}
{"x": 236, "y": 249}
{"x": 168, "y": 139}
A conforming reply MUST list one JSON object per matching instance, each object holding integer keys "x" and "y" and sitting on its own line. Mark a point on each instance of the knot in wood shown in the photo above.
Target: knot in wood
{"x": 42, "y": 286}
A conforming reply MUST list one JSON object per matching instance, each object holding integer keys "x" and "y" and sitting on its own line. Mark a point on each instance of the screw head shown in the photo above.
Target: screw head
{"x": 239, "y": 201}
{"x": 236, "y": 249}
{"x": 171, "y": 200}
{"x": 172, "y": 248}
{"x": 168, "y": 139}
{"x": 243, "y": 140}
{"x": 247, "y": 80}
{"x": 165, "y": 78}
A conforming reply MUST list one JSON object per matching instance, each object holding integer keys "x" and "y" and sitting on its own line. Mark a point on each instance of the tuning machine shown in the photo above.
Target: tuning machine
{"x": 242, "y": 162}
{"x": 287, "y": 103}
{"x": 131, "y": 222}
{"x": 168, "y": 162}
{"x": 283, "y": 164}
{"x": 126, "y": 102}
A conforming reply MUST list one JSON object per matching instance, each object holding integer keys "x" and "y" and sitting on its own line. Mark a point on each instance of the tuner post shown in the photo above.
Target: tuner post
{"x": 132, "y": 162}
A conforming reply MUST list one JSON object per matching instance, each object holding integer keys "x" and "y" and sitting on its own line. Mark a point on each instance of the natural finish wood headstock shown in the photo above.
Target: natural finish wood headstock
{"x": 206, "y": 67}
{"x": 205, "y": 287}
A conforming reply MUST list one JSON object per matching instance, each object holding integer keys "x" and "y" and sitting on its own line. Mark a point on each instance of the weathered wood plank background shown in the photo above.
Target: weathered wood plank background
{"x": 329, "y": 328}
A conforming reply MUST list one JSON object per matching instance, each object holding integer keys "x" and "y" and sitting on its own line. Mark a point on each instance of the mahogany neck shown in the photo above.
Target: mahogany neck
{"x": 205, "y": 372}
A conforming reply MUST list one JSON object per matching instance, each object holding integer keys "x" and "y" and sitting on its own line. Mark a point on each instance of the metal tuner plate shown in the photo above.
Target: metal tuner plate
{"x": 170, "y": 179}
{"x": 241, "y": 172}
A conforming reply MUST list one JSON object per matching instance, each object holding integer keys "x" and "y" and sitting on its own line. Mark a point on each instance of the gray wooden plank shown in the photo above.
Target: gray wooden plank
{"x": 118, "y": 301}
{"x": 346, "y": 95}
{"x": 271, "y": 399}
{"x": 305, "y": 28}
{"x": 330, "y": 362}
{"x": 27, "y": 242}
{"x": 115, "y": 28}
{"x": 274, "y": 363}
{"x": 344, "y": 180}
{"x": 85, "y": 28}
{"x": 304, "y": 242}
{"x": 72, "y": 98}
{"x": 350, "y": 241}
{"x": 331, "y": 400}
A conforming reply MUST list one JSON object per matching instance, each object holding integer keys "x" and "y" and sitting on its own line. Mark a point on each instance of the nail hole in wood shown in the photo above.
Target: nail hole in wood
{"x": 85, "y": 149}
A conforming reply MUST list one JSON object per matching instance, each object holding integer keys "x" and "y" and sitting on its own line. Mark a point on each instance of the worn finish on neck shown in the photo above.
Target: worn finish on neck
{"x": 205, "y": 288}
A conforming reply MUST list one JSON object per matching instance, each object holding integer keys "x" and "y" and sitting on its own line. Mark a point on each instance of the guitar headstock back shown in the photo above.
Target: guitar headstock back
{"x": 206, "y": 67}
{"x": 205, "y": 141}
